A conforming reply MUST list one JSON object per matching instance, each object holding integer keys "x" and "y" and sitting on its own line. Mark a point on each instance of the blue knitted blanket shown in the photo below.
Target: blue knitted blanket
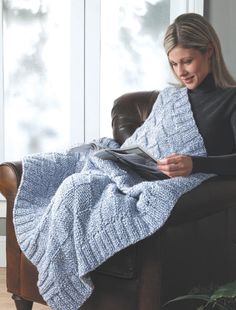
{"x": 74, "y": 210}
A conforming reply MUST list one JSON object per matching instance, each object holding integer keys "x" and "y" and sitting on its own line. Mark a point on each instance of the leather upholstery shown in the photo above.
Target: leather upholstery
{"x": 129, "y": 112}
{"x": 195, "y": 247}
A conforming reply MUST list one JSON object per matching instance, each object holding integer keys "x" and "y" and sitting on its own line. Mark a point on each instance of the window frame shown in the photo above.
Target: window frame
{"x": 92, "y": 49}
{"x": 77, "y": 69}
{"x": 2, "y": 122}
{"x": 178, "y": 7}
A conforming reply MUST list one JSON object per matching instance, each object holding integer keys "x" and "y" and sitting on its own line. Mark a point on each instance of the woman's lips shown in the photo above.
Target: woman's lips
{"x": 188, "y": 80}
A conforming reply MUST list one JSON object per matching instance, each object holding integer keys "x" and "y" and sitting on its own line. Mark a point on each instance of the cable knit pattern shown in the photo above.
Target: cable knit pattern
{"x": 73, "y": 210}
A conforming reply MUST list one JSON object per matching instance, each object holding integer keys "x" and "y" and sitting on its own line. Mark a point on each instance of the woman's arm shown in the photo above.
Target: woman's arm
{"x": 222, "y": 165}
{"x": 183, "y": 165}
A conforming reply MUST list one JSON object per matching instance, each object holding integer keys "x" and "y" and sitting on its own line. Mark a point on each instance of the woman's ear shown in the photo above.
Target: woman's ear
{"x": 210, "y": 50}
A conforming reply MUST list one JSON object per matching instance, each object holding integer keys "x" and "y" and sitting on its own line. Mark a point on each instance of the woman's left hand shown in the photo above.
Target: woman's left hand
{"x": 175, "y": 165}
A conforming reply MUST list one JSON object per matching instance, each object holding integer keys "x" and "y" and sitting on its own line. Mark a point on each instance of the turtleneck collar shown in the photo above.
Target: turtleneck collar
{"x": 208, "y": 84}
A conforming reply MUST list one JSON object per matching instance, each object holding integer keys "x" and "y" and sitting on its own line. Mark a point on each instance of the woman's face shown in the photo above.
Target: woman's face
{"x": 190, "y": 65}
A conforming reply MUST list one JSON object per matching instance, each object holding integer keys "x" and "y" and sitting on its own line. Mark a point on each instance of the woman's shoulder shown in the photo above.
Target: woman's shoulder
{"x": 227, "y": 98}
{"x": 228, "y": 92}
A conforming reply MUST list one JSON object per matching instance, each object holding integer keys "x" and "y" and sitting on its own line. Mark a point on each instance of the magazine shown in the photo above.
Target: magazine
{"x": 135, "y": 158}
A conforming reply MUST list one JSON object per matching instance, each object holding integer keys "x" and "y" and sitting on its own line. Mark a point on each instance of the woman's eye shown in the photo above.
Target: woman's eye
{"x": 187, "y": 62}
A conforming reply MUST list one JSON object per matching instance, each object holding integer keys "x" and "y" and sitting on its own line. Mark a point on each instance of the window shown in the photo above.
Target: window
{"x": 132, "y": 54}
{"x": 65, "y": 61}
{"x": 36, "y": 59}
{"x": 1, "y": 93}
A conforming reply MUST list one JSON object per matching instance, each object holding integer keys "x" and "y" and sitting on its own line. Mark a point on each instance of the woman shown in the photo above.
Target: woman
{"x": 194, "y": 54}
{"x": 88, "y": 208}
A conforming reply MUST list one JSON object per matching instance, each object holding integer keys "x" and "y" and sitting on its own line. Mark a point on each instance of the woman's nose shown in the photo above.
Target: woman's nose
{"x": 181, "y": 70}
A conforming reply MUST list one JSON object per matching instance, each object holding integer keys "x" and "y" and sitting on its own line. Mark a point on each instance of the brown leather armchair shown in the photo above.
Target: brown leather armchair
{"x": 195, "y": 247}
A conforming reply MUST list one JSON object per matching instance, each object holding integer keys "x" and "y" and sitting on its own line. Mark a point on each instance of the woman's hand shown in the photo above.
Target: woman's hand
{"x": 175, "y": 165}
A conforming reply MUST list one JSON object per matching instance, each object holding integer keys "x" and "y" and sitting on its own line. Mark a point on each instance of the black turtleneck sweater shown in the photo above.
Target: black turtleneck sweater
{"x": 214, "y": 110}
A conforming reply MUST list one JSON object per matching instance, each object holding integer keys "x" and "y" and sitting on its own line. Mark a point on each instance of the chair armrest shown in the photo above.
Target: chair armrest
{"x": 212, "y": 196}
{"x": 10, "y": 176}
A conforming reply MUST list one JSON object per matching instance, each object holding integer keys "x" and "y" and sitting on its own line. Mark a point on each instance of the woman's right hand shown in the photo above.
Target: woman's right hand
{"x": 176, "y": 165}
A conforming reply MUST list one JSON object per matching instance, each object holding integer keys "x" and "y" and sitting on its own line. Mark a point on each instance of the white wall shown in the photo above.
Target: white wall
{"x": 2, "y": 209}
{"x": 2, "y": 237}
{"x": 2, "y": 251}
{"x": 221, "y": 14}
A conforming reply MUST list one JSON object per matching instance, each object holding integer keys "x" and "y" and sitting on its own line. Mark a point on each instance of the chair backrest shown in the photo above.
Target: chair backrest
{"x": 130, "y": 111}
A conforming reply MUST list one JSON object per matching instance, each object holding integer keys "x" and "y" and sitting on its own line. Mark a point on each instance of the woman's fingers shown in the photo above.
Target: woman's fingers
{"x": 175, "y": 165}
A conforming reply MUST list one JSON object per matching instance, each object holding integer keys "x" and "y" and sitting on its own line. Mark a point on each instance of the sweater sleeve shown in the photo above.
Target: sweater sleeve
{"x": 221, "y": 165}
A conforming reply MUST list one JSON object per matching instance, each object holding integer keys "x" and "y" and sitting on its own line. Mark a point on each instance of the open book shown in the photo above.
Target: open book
{"x": 135, "y": 158}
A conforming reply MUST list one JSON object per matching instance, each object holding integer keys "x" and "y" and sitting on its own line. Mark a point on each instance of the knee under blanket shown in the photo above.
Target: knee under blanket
{"x": 73, "y": 210}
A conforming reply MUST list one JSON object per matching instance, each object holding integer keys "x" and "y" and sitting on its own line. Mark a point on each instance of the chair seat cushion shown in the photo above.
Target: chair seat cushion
{"x": 212, "y": 196}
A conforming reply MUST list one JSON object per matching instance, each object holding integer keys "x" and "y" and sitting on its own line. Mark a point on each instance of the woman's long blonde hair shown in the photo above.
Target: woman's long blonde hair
{"x": 191, "y": 30}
